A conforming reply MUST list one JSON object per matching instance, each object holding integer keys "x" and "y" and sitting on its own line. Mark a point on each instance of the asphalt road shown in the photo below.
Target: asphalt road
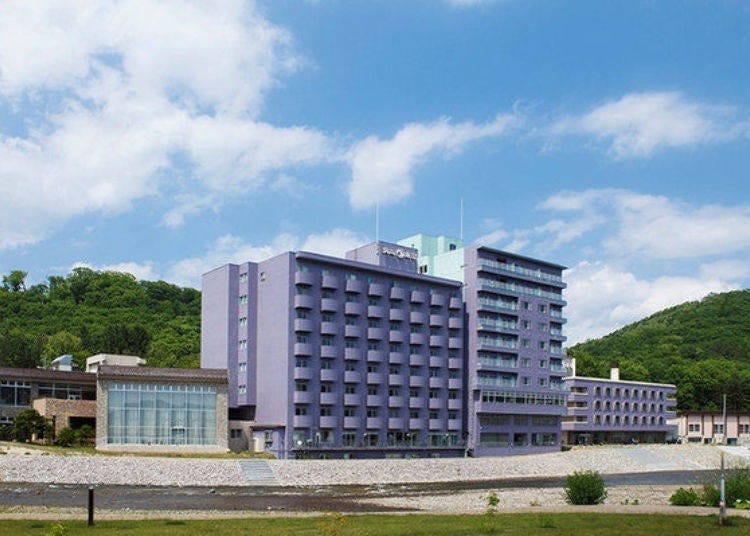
{"x": 295, "y": 499}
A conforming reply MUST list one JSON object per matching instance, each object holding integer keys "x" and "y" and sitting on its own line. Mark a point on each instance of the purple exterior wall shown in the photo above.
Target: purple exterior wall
{"x": 516, "y": 392}
{"x": 349, "y": 358}
{"x": 615, "y": 411}
{"x": 386, "y": 255}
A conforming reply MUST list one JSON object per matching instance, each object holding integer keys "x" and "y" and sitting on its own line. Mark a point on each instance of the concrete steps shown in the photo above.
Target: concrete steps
{"x": 258, "y": 473}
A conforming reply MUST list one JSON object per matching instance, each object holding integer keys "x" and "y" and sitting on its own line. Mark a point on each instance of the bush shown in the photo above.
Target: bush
{"x": 710, "y": 495}
{"x": 585, "y": 487}
{"x": 685, "y": 497}
{"x": 67, "y": 437}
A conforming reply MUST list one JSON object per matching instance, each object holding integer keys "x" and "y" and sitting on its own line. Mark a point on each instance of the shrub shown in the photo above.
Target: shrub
{"x": 710, "y": 495}
{"x": 29, "y": 423}
{"x": 738, "y": 485}
{"x": 67, "y": 437}
{"x": 85, "y": 435}
{"x": 685, "y": 497}
{"x": 585, "y": 487}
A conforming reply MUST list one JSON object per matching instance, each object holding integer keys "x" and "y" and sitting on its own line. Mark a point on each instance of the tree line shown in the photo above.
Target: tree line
{"x": 88, "y": 312}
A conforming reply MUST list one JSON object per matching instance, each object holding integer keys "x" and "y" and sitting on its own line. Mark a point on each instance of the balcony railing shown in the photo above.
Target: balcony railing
{"x": 522, "y": 289}
{"x": 538, "y": 274}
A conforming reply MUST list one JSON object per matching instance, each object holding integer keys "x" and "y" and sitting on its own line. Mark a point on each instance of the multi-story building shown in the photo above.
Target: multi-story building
{"x": 610, "y": 410}
{"x": 515, "y": 363}
{"x": 332, "y": 357}
{"x": 713, "y": 427}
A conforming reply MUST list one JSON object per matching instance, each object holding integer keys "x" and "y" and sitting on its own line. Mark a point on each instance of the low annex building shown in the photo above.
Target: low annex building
{"x": 711, "y": 427}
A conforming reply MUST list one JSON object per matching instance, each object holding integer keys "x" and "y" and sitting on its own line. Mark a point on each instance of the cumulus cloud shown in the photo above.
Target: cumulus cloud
{"x": 164, "y": 105}
{"x": 603, "y": 297}
{"x": 382, "y": 169}
{"x": 140, "y": 270}
{"x": 638, "y": 124}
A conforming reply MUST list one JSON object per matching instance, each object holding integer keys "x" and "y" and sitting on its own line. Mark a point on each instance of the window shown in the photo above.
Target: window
{"x": 350, "y": 412}
{"x": 718, "y": 428}
{"x": 350, "y": 366}
{"x": 394, "y": 369}
{"x": 243, "y": 277}
{"x": 327, "y": 340}
{"x": 300, "y": 386}
{"x": 542, "y": 345}
{"x": 423, "y": 269}
{"x": 243, "y": 321}
{"x": 542, "y": 308}
{"x": 235, "y": 433}
{"x": 350, "y": 389}
{"x": 434, "y": 414}
{"x": 414, "y": 392}
{"x": 394, "y": 391}
{"x": 300, "y": 410}
{"x": 242, "y": 389}
{"x": 525, "y": 343}
{"x": 351, "y": 343}
{"x": 243, "y": 299}
{"x": 414, "y": 414}
{"x": 526, "y": 362}
{"x": 302, "y": 339}
{"x": 242, "y": 367}
{"x": 351, "y": 320}
{"x": 326, "y": 364}
{"x": 372, "y": 412}
{"x": 326, "y": 411}
{"x": 434, "y": 393}
{"x": 301, "y": 313}
{"x": 372, "y": 367}
{"x": 542, "y": 363}
{"x": 326, "y": 317}
{"x": 242, "y": 344}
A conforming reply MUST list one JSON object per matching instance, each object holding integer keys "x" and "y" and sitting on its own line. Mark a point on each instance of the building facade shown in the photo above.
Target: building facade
{"x": 331, "y": 357}
{"x": 161, "y": 409}
{"x": 610, "y": 410}
{"x": 513, "y": 344}
{"x": 711, "y": 427}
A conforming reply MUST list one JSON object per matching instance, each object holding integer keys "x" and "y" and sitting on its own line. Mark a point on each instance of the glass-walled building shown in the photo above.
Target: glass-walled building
{"x": 147, "y": 408}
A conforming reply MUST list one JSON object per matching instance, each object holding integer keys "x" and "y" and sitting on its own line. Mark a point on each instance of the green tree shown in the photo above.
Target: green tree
{"x": 15, "y": 281}
{"x": 28, "y": 423}
{"x": 61, "y": 343}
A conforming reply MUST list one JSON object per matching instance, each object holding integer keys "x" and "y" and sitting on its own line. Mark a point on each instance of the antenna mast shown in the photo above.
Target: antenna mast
{"x": 461, "y": 220}
{"x": 377, "y": 221}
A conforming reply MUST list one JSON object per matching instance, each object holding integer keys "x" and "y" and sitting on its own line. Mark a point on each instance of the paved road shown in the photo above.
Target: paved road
{"x": 299, "y": 499}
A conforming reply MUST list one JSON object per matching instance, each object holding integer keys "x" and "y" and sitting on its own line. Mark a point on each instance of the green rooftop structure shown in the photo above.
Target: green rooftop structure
{"x": 440, "y": 256}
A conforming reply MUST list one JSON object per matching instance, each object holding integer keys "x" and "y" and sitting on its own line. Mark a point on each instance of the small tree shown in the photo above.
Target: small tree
{"x": 29, "y": 423}
{"x": 585, "y": 487}
{"x": 67, "y": 437}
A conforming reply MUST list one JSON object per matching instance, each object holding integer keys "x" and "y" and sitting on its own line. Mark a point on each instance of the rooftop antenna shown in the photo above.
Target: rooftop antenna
{"x": 461, "y": 220}
{"x": 377, "y": 221}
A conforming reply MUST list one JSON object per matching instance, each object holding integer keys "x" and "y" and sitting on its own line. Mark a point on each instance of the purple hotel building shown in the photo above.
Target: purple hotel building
{"x": 330, "y": 357}
{"x": 610, "y": 410}
{"x": 516, "y": 394}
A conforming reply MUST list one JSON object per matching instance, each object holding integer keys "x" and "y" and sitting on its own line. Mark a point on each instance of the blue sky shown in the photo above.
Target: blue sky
{"x": 166, "y": 138}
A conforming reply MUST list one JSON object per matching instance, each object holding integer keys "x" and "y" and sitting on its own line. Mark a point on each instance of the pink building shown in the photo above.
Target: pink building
{"x": 708, "y": 427}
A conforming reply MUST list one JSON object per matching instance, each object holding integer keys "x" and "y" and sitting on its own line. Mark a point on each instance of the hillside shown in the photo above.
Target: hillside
{"x": 702, "y": 346}
{"x": 88, "y": 312}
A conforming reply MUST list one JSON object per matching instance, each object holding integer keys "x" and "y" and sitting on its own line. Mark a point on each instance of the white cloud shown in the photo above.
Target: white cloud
{"x": 639, "y": 124}
{"x": 602, "y": 297}
{"x": 654, "y": 226}
{"x": 161, "y": 105}
{"x": 469, "y": 3}
{"x": 140, "y": 270}
{"x": 382, "y": 169}
{"x": 233, "y": 249}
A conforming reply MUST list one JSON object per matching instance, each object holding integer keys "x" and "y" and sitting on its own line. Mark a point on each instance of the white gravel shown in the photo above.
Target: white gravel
{"x": 164, "y": 471}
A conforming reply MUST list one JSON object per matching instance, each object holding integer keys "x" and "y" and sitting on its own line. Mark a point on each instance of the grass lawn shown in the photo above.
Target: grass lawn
{"x": 542, "y": 524}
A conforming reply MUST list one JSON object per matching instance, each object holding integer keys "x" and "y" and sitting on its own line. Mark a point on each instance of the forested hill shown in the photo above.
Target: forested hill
{"x": 89, "y": 312}
{"x": 702, "y": 346}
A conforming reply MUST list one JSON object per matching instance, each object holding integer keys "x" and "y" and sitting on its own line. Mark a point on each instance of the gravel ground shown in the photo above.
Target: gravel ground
{"x": 32, "y": 466}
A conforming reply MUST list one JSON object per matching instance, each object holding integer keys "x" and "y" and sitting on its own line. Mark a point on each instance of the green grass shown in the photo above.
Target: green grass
{"x": 544, "y": 524}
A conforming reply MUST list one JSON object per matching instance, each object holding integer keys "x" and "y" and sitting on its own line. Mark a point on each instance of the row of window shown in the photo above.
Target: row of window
{"x": 719, "y": 428}
{"x": 625, "y": 406}
{"x": 305, "y": 438}
{"x": 627, "y": 420}
{"x": 510, "y": 397}
{"x": 371, "y": 412}
{"x": 624, "y": 392}
{"x": 505, "y": 419}
{"x": 500, "y": 439}
{"x": 374, "y": 390}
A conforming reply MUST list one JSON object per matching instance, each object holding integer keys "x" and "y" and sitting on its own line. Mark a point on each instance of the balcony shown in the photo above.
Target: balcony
{"x": 455, "y": 322}
{"x": 329, "y": 375}
{"x": 329, "y": 352}
{"x": 395, "y": 401}
{"x": 417, "y": 360}
{"x": 354, "y": 308}
{"x": 303, "y": 324}
{"x": 437, "y": 320}
{"x": 302, "y": 397}
{"x": 330, "y": 282}
{"x": 328, "y": 328}
{"x": 415, "y": 424}
{"x": 438, "y": 382}
{"x": 438, "y": 300}
{"x": 454, "y": 424}
{"x": 398, "y": 315}
{"x": 375, "y": 400}
{"x": 353, "y": 331}
{"x": 438, "y": 341}
{"x": 375, "y": 334}
{"x": 455, "y": 343}
{"x": 417, "y": 338}
{"x": 352, "y": 423}
{"x": 355, "y": 286}
{"x": 455, "y": 363}
{"x": 375, "y": 378}
{"x": 375, "y": 311}
{"x": 398, "y": 293}
{"x": 303, "y": 301}
{"x": 455, "y": 383}
{"x": 376, "y": 290}
{"x": 436, "y": 424}
{"x": 454, "y": 403}
{"x": 397, "y": 358}
{"x": 395, "y": 379}
{"x": 417, "y": 317}
{"x": 330, "y": 399}
{"x": 304, "y": 278}
{"x": 376, "y": 356}
{"x": 329, "y": 421}
{"x": 416, "y": 402}
{"x": 436, "y": 403}
{"x": 302, "y": 421}
{"x": 329, "y": 305}
{"x": 396, "y": 335}
{"x": 352, "y": 400}
{"x": 417, "y": 381}
{"x": 352, "y": 376}
{"x": 438, "y": 361}
{"x": 352, "y": 354}
{"x": 521, "y": 272}
{"x": 302, "y": 348}
{"x": 396, "y": 423}
{"x": 418, "y": 296}
{"x": 303, "y": 373}
{"x": 374, "y": 423}
{"x": 455, "y": 303}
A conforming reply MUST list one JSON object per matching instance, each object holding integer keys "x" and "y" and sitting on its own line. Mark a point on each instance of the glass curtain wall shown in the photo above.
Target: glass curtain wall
{"x": 156, "y": 414}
